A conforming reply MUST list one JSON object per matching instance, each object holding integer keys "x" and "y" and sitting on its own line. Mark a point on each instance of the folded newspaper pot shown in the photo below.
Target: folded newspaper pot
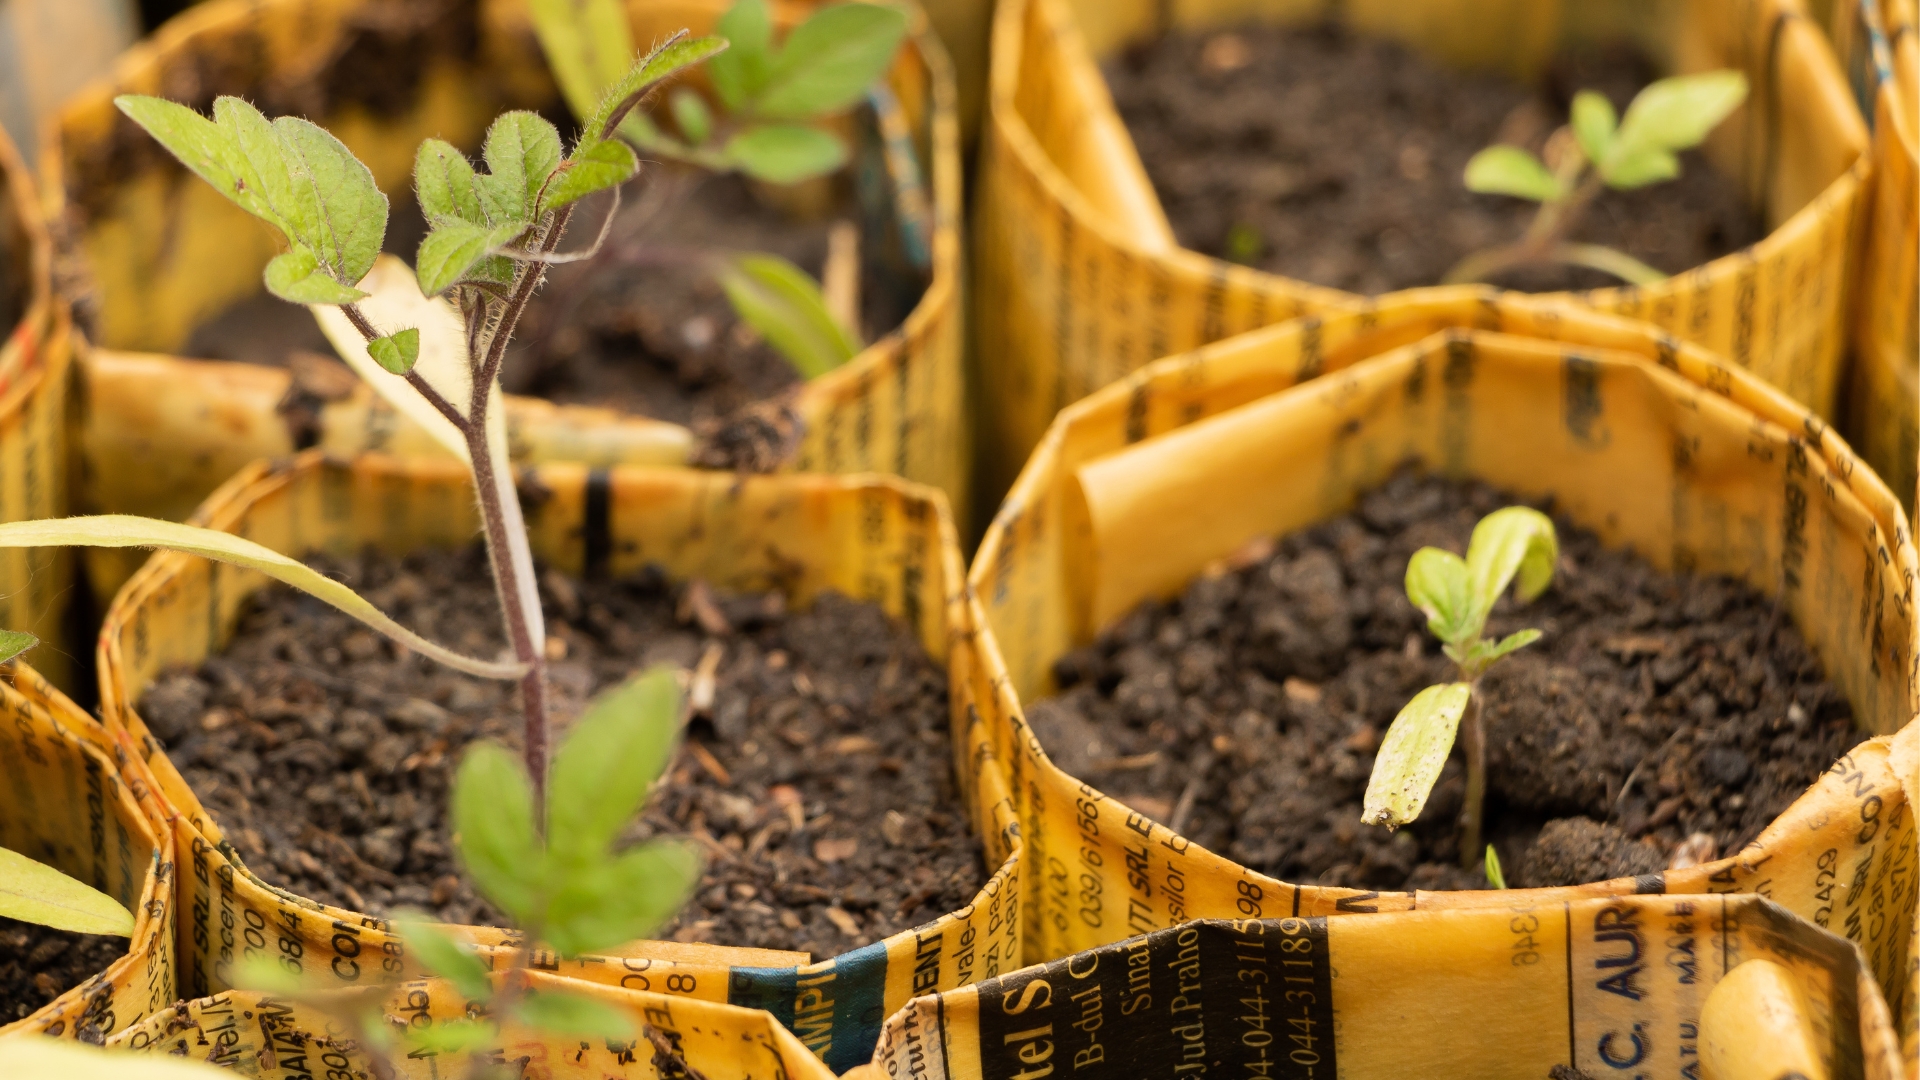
{"x": 1877, "y": 48}
{"x": 35, "y": 348}
{"x": 68, "y": 803}
{"x": 1650, "y": 442}
{"x": 878, "y": 539}
{"x": 149, "y": 253}
{"x": 1684, "y": 986}
{"x": 1080, "y": 280}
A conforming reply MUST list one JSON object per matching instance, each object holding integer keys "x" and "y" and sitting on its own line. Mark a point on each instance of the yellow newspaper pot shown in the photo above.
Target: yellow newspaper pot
{"x": 153, "y": 252}
{"x": 35, "y": 352}
{"x": 69, "y": 803}
{"x": 1876, "y": 44}
{"x": 1687, "y": 986}
{"x": 1080, "y": 279}
{"x": 876, "y": 538}
{"x": 268, "y": 1038}
{"x": 1648, "y": 441}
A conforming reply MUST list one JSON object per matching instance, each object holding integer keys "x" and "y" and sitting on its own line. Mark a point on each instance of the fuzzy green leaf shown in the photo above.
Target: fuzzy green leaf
{"x": 1516, "y": 540}
{"x": 260, "y": 163}
{"x": 210, "y": 151}
{"x": 589, "y": 45}
{"x": 15, "y": 642}
{"x": 127, "y": 531}
{"x": 450, "y": 252}
{"x": 1413, "y": 753}
{"x": 1677, "y": 113}
{"x": 522, "y": 150}
{"x": 678, "y": 52}
{"x": 828, "y": 62}
{"x": 1509, "y": 170}
{"x": 595, "y": 167}
{"x": 611, "y": 901}
{"x": 397, "y": 352}
{"x": 333, "y": 184}
{"x": 296, "y": 277}
{"x": 1437, "y": 585}
{"x": 779, "y": 300}
{"x": 561, "y": 1013}
{"x": 609, "y": 761}
{"x": 492, "y": 814}
{"x": 37, "y": 893}
{"x": 1593, "y": 123}
{"x": 1638, "y": 167}
{"x": 691, "y": 113}
{"x": 740, "y": 72}
{"x": 443, "y": 181}
{"x": 785, "y": 153}
{"x": 445, "y": 955}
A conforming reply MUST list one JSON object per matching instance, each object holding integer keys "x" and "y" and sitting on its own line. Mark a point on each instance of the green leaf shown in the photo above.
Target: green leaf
{"x": 492, "y": 816}
{"x": 779, "y": 300}
{"x": 828, "y": 62}
{"x": 296, "y": 277}
{"x": 450, "y": 252}
{"x": 522, "y": 150}
{"x": 1516, "y": 540}
{"x": 15, "y": 642}
{"x": 397, "y": 352}
{"x": 691, "y": 113}
{"x": 1413, "y": 753}
{"x": 588, "y": 44}
{"x": 609, "y": 761}
{"x": 1678, "y": 112}
{"x": 445, "y": 955}
{"x": 741, "y": 71}
{"x": 609, "y": 902}
{"x": 264, "y": 974}
{"x": 443, "y": 181}
{"x": 594, "y": 168}
{"x": 260, "y": 163}
{"x": 37, "y": 893}
{"x": 35, "y": 1058}
{"x": 573, "y": 1014}
{"x": 1509, "y": 170}
{"x": 1593, "y": 123}
{"x": 451, "y": 1036}
{"x": 1437, "y": 585}
{"x": 350, "y": 211}
{"x": 210, "y": 151}
{"x": 127, "y": 531}
{"x": 1638, "y": 167}
{"x": 1494, "y": 876}
{"x": 1483, "y": 653}
{"x": 677, "y": 52}
{"x": 785, "y": 153}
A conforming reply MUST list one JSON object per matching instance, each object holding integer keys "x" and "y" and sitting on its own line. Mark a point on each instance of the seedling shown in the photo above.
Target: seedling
{"x": 543, "y": 853}
{"x": 1594, "y": 151}
{"x": 1457, "y": 595}
{"x": 1495, "y": 876}
{"x": 774, "y": 97}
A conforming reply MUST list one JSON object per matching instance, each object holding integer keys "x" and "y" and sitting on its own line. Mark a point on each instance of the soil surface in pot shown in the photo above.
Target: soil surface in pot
{"x": 819, "y": 783}
{"x": 39, "y": 963}
{"x": 1336, "y": 159}
{"x": 1245, "y": 713}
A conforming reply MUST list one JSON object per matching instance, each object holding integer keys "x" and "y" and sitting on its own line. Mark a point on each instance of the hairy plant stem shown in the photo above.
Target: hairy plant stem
{"x": 1545, "y": 242}
{"x": 1473, "y": 744}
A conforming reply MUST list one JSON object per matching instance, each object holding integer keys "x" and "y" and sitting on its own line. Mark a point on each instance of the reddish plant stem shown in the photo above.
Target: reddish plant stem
{"x": 1473, "y": 744}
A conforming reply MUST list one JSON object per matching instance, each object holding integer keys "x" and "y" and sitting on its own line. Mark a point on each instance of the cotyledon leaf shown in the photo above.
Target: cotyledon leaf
{"x": 37, "y": 893}
{"x": 128, "y": 531}
{"x": 1412, "y": 755}
{"x": 15, "y": 642}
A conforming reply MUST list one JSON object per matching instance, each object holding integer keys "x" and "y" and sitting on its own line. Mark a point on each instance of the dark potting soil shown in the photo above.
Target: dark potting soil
{"x": 819, "y": 783}
{"x": 1245, "y": 713}
{"x": 1337, "y": 159}
{"x": 38, "y": 964}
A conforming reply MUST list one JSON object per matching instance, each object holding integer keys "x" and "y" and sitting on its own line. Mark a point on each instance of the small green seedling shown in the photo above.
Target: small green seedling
{"x": 1592, "y": 152}
{"x": 1495, "y": 876}
{"x": 774, "y": 97}
{"x": 538, "y": 838}
{"x": 1457, "y": 595}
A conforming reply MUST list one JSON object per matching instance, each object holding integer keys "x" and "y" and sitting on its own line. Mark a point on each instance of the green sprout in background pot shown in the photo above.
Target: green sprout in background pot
{"x": 774, "y": 99}
{"x": 32, "y": 891}
{"x": 539, "y": 839}
{"x": 1457, "y": 595}
{"x": 1597, "y": 150}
